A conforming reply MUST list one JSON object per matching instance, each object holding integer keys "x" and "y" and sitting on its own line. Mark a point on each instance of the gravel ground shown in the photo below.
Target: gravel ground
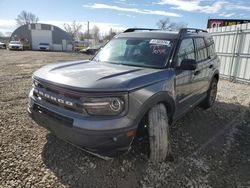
{"x": 210, "y": 148}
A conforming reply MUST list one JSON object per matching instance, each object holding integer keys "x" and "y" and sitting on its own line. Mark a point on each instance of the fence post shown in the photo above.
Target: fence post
{"x": 238, "y": 52}
{"x": 233, "y": 55}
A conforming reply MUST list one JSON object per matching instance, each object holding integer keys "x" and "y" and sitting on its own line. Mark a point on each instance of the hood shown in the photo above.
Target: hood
{"x": 95, "y": 76}
{"x": 15, "y": 44}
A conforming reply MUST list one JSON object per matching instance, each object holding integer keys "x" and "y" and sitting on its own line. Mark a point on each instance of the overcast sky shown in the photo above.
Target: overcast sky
{"x": 120, "y": 14}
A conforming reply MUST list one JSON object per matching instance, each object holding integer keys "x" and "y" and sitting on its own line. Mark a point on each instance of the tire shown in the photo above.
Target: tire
{"x": 211, "y": 94}
{"x": 158, "y": 133}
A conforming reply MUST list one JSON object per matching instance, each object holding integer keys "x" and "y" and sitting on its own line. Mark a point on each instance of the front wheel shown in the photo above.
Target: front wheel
{"x": 158, "y": 133}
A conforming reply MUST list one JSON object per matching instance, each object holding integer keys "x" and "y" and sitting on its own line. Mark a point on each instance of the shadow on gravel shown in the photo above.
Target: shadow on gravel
{"x": 213, "y": 135}
{"x": 76, "y": 168}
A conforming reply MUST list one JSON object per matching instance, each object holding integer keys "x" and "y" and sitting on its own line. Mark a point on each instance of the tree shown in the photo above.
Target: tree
{"x": 166, "y": 24}
{"x": 95, "y": 32}
{"x": 110, "y": 35}
{"x": 73, "y": 29}
{"x": 26, "y": 18}
{"x": 8, "y": 33}
{"x": 81, "y": 36}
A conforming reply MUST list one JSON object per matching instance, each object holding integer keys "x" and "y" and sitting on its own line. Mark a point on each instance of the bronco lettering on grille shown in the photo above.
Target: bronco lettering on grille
{"x": 53, "y": 98}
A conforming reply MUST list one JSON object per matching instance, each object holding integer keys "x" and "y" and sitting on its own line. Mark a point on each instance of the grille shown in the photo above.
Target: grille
{"x": 57, "y": 97}
{"x": 65, "y": 120}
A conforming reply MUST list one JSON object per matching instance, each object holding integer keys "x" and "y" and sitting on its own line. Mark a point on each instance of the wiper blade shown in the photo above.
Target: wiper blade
{"x": 132, "y": 65}
{"x": 111, "y": 62}
{"x": 136, "y": 65}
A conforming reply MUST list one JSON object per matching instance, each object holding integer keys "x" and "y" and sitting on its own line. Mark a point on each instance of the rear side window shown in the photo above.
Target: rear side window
{"x": 201, "y": 50}
{"x": 186, "y": 50}
{"x": 210, "y": 47}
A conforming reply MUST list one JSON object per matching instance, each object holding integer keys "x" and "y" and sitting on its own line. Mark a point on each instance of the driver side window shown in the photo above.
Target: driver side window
{"x": 186, "y": 50}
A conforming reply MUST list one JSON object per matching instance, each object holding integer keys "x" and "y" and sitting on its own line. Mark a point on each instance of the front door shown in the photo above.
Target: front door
{"x": 184, "y": 78}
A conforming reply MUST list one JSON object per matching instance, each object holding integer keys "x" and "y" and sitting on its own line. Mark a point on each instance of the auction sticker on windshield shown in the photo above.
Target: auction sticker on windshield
{"x": 159, "y": 42}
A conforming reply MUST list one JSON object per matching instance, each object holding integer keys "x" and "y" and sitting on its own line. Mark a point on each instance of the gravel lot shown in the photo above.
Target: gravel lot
{"x": 210, "y": 148}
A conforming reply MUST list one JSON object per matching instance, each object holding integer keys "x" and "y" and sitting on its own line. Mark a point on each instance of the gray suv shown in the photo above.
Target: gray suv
{"x": 151, "y": 76}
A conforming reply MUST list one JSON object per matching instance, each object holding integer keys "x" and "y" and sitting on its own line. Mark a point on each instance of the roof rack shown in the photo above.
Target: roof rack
{"x": 186, "y": 30}
{"x": 138, "y": 29}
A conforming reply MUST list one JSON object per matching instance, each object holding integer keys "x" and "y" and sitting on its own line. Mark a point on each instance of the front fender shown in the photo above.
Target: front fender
{"x": 160, "y": 97}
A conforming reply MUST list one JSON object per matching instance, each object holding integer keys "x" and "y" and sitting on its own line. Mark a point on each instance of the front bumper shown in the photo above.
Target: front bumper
{"x": 101, "y": 142}
{"x": 15, "y": 48}
{"x": 44, "y": 48}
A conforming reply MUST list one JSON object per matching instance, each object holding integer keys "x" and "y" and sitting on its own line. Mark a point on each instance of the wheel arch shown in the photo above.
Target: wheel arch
{"x": 216, "y": 75}
{"x": 161, "y": 97}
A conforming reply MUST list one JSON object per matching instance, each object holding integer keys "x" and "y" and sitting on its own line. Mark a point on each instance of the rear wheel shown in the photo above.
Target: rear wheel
{"x": 158, "y": 133}
{"x": 211, "y": 95}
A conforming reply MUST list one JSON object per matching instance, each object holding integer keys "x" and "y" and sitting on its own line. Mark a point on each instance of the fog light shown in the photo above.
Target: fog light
{"x": 130, "y": 133}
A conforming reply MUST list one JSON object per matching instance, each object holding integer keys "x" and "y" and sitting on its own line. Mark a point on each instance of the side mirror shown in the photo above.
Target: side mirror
{"x": 188, "y": 64}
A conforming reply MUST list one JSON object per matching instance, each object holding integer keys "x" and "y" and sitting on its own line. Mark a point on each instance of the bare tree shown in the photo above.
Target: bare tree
{"x": 95, "y": 32}
{"x": 8, "y": 33}
{"x": 26, "y": 18}
{"x": 110, "y": 34}
{"x": 82, "y": 36}
{"x": 73, "y": 29}
{"x": 166, "y": 24}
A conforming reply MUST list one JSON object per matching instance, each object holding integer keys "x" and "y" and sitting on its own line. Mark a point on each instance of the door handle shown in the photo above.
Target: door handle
{"x": 197, "y": 72}
{"x": 211, "y": 66}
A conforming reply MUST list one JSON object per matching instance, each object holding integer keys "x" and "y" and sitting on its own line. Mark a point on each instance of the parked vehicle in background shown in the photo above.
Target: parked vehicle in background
{"x": 2, "y": 45}
{"x": 44, "y": 46}
{"x": 79, "y": 45}
{"x": 91, "y": 50}
{"x": 15, "y": 45}
{"x": 139, "y": 81}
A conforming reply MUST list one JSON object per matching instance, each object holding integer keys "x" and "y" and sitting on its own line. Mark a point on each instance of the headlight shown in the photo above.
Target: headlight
{"x": 104, "y": 106}
{"x": 35, "y": 83}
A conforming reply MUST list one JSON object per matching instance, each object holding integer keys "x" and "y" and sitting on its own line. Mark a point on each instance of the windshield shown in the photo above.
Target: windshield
{"x": 15, "y": 42}
{"x": 136, "y": 52}
{"x": 44, "y": 44}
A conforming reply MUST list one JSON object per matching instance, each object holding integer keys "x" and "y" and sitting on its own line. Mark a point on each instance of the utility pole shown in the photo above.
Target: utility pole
{"x": 88, "y": 32}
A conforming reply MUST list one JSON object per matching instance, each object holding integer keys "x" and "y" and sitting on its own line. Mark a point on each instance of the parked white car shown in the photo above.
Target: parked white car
{"x": 2, "y": 45}
{"x": 15, "y": 45}
{"x": 44, "y": 46}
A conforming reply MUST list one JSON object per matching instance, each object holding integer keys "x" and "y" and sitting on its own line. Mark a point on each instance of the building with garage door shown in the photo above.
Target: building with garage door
{"x": 31, "y": 35}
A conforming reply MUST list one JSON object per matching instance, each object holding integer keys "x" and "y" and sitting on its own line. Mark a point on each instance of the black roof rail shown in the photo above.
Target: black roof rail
{"x": 185, "y": 30}
{"x": 138, "y": 29}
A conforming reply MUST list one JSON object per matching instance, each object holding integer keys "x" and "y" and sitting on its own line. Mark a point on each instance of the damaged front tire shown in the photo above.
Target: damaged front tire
{"x": 158, "y": 133}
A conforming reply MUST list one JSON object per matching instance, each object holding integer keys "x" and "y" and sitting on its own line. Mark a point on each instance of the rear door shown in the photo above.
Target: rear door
{"x": 199, "y": 82}
{"x": 212, "y": 64}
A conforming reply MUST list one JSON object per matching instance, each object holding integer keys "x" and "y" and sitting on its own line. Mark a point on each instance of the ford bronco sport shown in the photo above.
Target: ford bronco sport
{"x": 98, "y": 104}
